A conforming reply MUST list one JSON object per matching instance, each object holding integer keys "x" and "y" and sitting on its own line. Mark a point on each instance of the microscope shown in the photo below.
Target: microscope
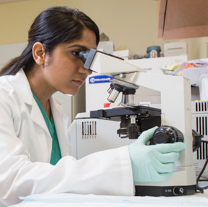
{"x": 118, "y": 126}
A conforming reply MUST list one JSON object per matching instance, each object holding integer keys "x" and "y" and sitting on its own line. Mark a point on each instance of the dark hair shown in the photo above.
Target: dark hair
{"x": 51, "y": 27}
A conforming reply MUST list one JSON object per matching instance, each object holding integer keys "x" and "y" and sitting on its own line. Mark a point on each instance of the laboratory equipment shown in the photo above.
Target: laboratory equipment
{"x": 200, "y": 125}
{"x": 175, "y": 49}
{"x": 100, "y": 129}
{"x": 153, "y": 52}
{"x": 96, "y": 84}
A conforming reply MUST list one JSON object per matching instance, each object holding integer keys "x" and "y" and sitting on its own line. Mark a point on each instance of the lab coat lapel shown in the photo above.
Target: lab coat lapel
{"x": 60, "y": 121}
{"x": 37, "y": 117}
{"x": 46, "y": 139}
{"x": 22, "y": 87}
{"x": 21, "y": 84}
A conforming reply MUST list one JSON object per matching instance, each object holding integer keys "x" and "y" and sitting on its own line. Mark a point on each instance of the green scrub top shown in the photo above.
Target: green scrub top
{"x": 55, "y": 153}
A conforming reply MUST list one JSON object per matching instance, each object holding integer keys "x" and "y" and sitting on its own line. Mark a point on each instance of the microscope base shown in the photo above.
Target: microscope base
{"x": 165, "y": 190}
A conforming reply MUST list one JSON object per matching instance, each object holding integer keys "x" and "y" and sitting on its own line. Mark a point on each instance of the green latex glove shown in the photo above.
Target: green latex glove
{"x": 153, "y": 163}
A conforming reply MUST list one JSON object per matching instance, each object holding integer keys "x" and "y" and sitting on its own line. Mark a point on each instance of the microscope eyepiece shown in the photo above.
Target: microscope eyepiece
{"x": 87, "y": 57}
{"x": 83, "y": 55}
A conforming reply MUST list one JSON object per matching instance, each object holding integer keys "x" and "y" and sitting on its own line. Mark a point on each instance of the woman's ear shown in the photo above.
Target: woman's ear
{"x": 38, "y": 52}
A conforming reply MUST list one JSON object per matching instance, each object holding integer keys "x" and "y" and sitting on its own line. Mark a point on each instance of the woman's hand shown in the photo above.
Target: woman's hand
{"x": 153, "y": 163}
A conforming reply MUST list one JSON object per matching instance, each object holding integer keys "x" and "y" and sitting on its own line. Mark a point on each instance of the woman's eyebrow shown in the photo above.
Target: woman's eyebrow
{"x": 82, "y": 47}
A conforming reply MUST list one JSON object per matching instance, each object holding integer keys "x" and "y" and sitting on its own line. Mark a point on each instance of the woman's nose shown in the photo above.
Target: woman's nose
{"x": 84, "y": 70}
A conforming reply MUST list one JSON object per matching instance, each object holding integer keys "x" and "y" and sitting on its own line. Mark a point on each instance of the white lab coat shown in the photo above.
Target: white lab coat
{"x": 25, "y": 150}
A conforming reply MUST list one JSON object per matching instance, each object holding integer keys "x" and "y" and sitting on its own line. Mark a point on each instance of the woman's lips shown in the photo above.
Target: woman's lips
{"x": 79, "y": 82}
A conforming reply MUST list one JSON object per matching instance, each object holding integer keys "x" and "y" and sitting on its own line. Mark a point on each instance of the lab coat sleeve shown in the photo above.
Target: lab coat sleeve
{"x": 107, "y": 172}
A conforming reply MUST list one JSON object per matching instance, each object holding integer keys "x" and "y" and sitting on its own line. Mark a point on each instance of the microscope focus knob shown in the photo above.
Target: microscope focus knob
{"x": 166, "y": 134}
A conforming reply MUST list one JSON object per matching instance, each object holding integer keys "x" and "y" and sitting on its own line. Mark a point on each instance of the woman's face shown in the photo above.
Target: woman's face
{"x": 63, "y": 69}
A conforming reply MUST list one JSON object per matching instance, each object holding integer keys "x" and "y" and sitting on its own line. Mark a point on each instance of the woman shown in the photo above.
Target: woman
{"x": 33, "y": 131}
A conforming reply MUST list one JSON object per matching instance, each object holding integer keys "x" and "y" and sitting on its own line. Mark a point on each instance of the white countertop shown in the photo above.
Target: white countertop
{"x": 77, "y": 200}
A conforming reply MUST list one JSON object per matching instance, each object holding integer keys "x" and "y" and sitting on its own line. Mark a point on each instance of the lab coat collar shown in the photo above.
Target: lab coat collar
{"x": 22, "y": 86}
